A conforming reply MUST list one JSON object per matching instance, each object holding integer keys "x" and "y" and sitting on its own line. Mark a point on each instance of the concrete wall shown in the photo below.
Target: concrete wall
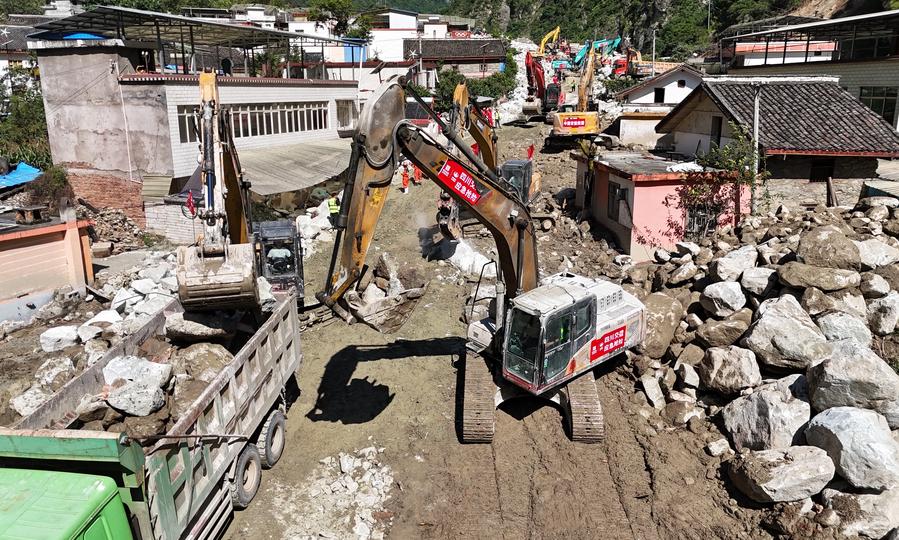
{"x": 387, "y": 43}
{"x": 853, "y": 75}
{"x": 403, "y": 21}
{"x": 695, "y": 130}
{"x": 642, "y": 131}
{"x": 673, "y": 93}
{"x": 168, "y": 220}
{"x": 436, "y": 30}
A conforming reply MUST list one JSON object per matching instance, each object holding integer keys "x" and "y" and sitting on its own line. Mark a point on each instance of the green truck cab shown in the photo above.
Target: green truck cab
{"x": 46, "y": 505}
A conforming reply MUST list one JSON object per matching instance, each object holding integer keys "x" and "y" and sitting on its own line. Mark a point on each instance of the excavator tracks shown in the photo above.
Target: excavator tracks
{"x": 585, "y": 410}
{"x": 478, "y": 405}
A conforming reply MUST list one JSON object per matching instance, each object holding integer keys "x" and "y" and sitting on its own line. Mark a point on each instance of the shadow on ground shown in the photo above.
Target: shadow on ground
{"x": 341, "y": 398}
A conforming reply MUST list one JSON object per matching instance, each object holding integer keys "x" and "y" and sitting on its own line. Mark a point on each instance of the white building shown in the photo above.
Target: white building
{"x": 645, "y": 104}
{"x": 792, "y": 52}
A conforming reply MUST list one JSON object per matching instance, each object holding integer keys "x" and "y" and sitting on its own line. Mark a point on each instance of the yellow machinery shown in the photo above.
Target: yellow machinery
{"x": 551, "y": 37}
{"x": 545, "y": 336}
{"x": 219, "y": 271}
{"x": 581, "y": 122}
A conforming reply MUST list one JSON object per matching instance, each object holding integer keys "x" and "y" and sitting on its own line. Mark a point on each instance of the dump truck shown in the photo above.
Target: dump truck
{"x": 58, "y": 481}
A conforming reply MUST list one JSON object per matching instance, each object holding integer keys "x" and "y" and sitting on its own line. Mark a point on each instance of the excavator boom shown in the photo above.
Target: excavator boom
{"x": 551, "y": 36}
{"x": 381, "y": 136}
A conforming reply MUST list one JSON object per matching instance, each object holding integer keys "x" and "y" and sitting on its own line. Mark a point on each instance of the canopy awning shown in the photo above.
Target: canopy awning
{"x": 293, "y": 167}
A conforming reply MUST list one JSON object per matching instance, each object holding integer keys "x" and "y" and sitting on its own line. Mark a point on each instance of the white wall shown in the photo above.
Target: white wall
{"x": 387, "y": 44}
{"x": 431, "y": 30}
{"x": 184, "y": 155}
{"x": 403, "y": 21}
{"x": 673, "y": 93}
{"x": 775, "y": 58}
{"x": 640, "y": 131}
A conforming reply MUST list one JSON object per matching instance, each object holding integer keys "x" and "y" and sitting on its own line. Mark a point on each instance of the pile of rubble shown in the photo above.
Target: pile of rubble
{"x": 314, "y": 227}
{"x": 384, "y": 296}
{"x": 145, "y": 393}
{"x": 510, "y": 109}
{"x": 770, "y": 331}
{"x": 343, "y": 498}
{"x": 115, "y": 227}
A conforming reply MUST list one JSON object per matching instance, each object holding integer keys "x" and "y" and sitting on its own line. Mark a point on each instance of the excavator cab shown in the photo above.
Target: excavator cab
{"x": 519, "y": 172}
{"x": 280, "y": 255}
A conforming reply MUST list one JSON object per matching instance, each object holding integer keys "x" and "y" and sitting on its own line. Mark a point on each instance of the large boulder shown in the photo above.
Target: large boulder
{"x": 137, "y": 398}
{"x": 54, "y": 373}
{"x": 828, "y": 247}
{"x": 728, "y": 370}
{"x": 783, "y": 475}
{"x": 773, "y": 416}
{"x": 872, "y": 515}
{"x": 802, "y": 276}
{"x": 722, "y": 333}
{"x": 202, "y": 361}
{"x": 663, "y": 314}
{"x": 837, "y": 326}
{"x": 683, "y": 273}
{"x": 723, "y": 298}
{"x": 874, "y": 253}
{"x": 783, "y": 336}
{"x": 759, "y": 281}
{"x": 194, "y": 327}
{"x": 883, "y": 314}
{"x": 859, "y": 443}
{"x": 58, "y": 338}
{"x": 852, "y": 375}
{"x": 874, "y": 285}
{"x": 731, "y": 266}
{"x": 30, "y": 400}
{"x": 134, "y": 368}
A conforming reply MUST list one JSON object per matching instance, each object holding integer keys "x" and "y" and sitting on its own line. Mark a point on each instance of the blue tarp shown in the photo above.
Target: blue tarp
{"x": 20, "y": 175}
{"x": 83, "y": 35}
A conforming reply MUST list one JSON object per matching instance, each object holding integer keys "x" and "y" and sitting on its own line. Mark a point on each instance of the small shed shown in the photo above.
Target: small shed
{"x": 638, "y": 199}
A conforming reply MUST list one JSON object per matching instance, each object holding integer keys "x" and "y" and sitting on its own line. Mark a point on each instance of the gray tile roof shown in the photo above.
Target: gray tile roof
{"x": 810, "y": 117}
{"x": 14, "y": 38}
{"x": 455, "y": 48}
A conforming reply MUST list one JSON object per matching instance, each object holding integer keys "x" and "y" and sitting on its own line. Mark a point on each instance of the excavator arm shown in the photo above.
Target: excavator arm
{"x": 468, "y": 117}
{"x": 551, "y": 36}
{"x": 586, "y": 82}
{"x": 381, "y": 136}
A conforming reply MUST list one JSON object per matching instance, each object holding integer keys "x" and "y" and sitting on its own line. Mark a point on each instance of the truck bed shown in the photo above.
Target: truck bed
{"x": 174, "y": 487}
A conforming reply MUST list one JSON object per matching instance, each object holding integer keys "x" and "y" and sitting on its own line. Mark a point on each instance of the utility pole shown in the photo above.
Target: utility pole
{"x": 420, "y": 62}
{"x": 708, "y": 24}
{"x": 757, "y": 97}
{"x": 653, "y": 52}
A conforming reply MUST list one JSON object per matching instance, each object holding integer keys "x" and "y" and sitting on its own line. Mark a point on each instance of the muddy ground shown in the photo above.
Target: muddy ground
{"x": 360, "y": 388}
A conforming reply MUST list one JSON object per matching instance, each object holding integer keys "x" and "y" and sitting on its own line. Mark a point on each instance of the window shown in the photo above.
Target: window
{"x": 256, "y": 120}
{"x": 681, "y": 83}
{"x": 658, "y": 95}
{"x": 701, "y": 220}
{"x": 557, "y": 345}
{"x": 881, "y": 100}
{"x": 616, "y": 195}
{"x": 524, "y": 344}
{"x": 346, "y": 114}
{"x": 821, "y": 169}
{"x": 715, "y": 137}
{"x": 584, "y": 321}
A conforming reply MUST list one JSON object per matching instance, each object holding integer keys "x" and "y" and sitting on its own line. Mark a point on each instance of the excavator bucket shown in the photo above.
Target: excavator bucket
{"x": 207, "y": 283}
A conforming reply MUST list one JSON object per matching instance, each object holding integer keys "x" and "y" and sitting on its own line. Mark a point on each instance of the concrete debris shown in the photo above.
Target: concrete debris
{"x": 29, "y": 401}
{"x": 783, "y": 475}
{"x": 137, "y": 398}
{"x": 871, "y": 515}
{"x": 133, "y": 368}
{"x": 343, "y": 498}
{"x": 201, "y": 361}
{"x": 860, "y": 444}
{"x": 193, "y": 327}
{"x": 54, "y": 373}
{"x": 59, "y": 338}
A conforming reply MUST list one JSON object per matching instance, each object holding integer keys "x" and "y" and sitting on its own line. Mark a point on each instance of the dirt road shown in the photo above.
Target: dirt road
{"x": 361, "y": 388}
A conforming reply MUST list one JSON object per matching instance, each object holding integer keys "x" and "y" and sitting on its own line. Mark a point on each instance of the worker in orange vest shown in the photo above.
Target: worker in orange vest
{"x": 416, "y": 175}
{"x": 405, "y": 173}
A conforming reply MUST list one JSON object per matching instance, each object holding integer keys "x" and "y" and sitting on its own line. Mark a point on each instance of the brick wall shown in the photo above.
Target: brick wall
{"x": 108, "y": 191}
{"x": 169, "y": 221}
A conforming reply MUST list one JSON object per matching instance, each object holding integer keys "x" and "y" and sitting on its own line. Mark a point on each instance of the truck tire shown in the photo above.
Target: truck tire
{"x": 272, "y": 439}
{"x": 247, "y": 477}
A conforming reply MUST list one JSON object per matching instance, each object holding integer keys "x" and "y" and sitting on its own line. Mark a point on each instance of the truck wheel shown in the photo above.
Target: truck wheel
{"x": 247, "y": 477}
{"x": 272, "y": 439}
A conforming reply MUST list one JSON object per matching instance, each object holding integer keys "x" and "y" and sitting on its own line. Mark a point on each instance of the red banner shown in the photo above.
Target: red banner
{"x": 609, "y": 342}
{"x": 577, "y": 121}
{"x": 455, "y": 177}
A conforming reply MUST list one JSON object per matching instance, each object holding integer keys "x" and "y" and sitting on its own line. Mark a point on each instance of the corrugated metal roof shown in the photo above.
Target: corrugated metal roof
{"x": 297, "y": 166}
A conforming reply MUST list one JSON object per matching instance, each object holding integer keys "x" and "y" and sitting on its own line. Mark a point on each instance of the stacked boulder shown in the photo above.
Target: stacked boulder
{"x": 771, "y": 329}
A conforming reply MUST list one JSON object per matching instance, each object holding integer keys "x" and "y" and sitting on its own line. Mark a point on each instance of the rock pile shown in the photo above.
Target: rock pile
{"x": 385, "y": 296}
{"x": 770, "y": 329}
{"x": 343, "y": 498}
{"x": 114, "y": 226}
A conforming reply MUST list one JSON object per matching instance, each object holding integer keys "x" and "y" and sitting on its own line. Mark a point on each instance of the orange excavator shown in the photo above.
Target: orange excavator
{"x": 581, "y": 121}
{"x": 545, "y": 337}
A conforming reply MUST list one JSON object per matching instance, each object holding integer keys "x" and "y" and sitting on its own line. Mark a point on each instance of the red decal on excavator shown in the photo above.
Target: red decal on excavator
{"x": 577, "y": 121}
{"x": 609, "y": 342}
{"x": 455, "y": 177}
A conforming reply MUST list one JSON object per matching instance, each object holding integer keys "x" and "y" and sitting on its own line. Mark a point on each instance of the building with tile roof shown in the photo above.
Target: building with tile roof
{"x": 809, "y": 127}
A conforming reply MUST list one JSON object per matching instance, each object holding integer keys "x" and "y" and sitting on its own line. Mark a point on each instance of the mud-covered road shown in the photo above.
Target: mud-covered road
{"x": 361, "y": 388}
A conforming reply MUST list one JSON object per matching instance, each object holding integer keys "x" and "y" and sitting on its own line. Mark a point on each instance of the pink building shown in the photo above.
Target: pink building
{"x": 640, "y": 200}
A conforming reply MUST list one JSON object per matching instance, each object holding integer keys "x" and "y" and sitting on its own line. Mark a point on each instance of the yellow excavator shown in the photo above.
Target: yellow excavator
{"x": 220, "y": 270}
{"x": 545, "y": 337}
{"x": 580, "y": 122}
{"x": 551, "y": 37}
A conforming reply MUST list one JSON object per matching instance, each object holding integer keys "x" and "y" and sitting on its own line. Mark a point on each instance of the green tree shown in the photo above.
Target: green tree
{"x": 23, "y": 130}
{"x": 685, "y": 30}
{"x": 28, "y": 7}
{"x": 333, "y": 12}
{"x": 737, "y": 158}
